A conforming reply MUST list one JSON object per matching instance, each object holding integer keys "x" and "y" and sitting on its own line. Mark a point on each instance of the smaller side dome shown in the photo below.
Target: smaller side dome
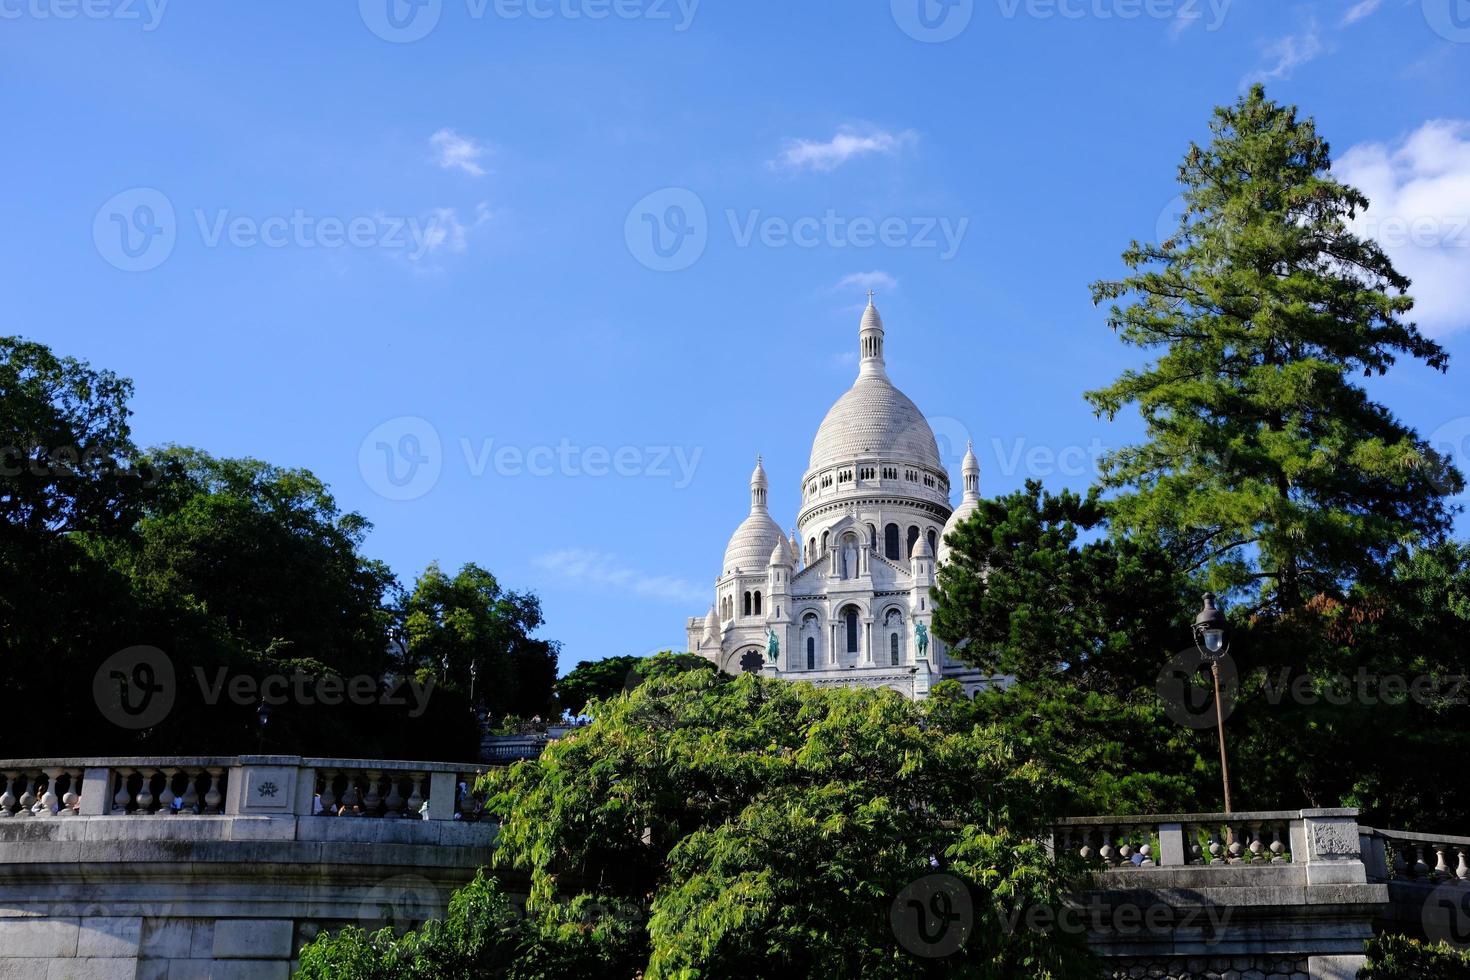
{"x": 970, "y": 470}
{"x": 711, "y": 625}
{"x": 781, "y": 554}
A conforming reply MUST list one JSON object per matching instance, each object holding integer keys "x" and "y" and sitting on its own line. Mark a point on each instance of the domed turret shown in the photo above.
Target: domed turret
{"x": 712, "y": 626}
{"x": 781, "y": 554}
{"x": 750, "y": 546}
{"x": 970, "y": 470}
{"x": 873, "y": 419}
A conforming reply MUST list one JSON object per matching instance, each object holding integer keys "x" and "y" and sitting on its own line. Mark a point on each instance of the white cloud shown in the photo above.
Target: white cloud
{"x": 1419, "y": 191}
{"x": 876, "y": 280}
{"x": 1287, "y": 54}
{"x": 598, "y": 568}
{"x": 1359, "y": 10}
{"x": 848, "y": 144}
{"x": 455, "y": 152}
{"x": 442, "y": 229}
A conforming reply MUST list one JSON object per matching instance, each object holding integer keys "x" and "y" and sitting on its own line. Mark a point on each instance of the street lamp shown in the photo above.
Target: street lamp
{"x": 262, "y": 718}
{"x": 1211, "y": 639}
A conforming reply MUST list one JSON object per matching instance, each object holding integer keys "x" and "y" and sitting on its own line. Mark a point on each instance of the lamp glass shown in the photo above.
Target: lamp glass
{"x": 1214, "y": 640}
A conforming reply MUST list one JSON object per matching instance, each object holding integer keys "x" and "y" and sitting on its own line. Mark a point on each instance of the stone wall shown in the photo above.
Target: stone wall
{"x": 1206, "y": 968}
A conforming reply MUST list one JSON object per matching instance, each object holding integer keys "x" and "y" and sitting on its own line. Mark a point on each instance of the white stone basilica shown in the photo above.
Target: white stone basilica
{"x": 847, "y": 597}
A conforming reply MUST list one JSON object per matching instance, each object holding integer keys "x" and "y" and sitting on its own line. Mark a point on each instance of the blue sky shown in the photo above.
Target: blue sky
{"x": 332, "y": 235}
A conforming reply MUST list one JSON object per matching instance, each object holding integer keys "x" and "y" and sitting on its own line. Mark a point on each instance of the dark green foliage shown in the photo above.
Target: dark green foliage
{"x": 1266, "y": 465}
{"x": 1393, "y": 957}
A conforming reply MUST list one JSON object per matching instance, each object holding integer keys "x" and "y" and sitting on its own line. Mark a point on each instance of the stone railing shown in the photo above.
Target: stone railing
{"x": 505, "y": 749}
{"x": 244, "y": 785}
{"x": 1191, "y": 839}
{"x": 1399, "y": 856}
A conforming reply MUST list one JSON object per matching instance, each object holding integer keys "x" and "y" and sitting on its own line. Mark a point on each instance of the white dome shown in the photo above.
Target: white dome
{"x": 751, "y": 545}
{"x": 873, "y": 419}
{"x": 970, "y": 470}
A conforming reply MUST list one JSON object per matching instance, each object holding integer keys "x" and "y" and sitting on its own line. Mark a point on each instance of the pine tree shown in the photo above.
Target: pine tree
{"x": 1268, "y": 467}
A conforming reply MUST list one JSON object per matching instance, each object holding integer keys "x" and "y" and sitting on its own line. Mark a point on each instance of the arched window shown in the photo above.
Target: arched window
{"x": 893, "y": 648}
{"x": 913, "y": 537}
{"x": 872, "y": 537}
{"x": 811, "y": 551}
{"x": 747, "y": 603}
{"x": 811, "y": 653}
{"x": 890, "y": 542}
{"x": 852, "y": 630}
{"x": 933, "y": 543}
{"x": 757, "y": 603}
{"x": 824, "y": 540}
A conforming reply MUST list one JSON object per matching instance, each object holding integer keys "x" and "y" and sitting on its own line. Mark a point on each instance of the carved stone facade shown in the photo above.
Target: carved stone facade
{"x": 846, "y": 598}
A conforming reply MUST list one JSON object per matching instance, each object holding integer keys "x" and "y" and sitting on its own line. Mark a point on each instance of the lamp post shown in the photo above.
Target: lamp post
{"x": 1213, "y": 644}
{"x": 262, "y": 718}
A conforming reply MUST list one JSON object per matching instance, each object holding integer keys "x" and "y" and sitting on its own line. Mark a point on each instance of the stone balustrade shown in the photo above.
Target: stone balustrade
{"x": 224, "y": 866}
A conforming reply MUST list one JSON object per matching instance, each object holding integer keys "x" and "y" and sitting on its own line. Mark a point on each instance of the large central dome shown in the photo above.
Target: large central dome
{"x": 873, "y": 419}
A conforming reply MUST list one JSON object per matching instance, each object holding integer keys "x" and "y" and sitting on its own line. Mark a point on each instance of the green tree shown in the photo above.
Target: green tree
{"x": 765, "y": 828}
{"x": 1266, "y": 465}
{"x": 450, "y": 626}
{"x": 595, "y": 679}
{"x": 1035, "y": 590}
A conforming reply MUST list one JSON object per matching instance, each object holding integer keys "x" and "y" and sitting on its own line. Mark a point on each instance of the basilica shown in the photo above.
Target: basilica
{"x": 847, "y": 597}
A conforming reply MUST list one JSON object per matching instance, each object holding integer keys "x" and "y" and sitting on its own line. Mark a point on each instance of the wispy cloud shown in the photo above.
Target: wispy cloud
{"x": 876, "y": 280}
{"x": 1284, "y": 55}
{"x": 443, "y": 229}
{"x": 824, "y": 156}
{"x": 1419, "y": 189}
{"x": 1359, "y": 10}
{"x": 455, "y": 152}
{"x": 606, "y": 571}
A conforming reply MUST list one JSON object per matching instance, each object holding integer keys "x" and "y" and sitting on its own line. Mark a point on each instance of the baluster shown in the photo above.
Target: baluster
{"x": 145, "y": 793}
{"x": 50, "y": 802}
{"x": 73, "y": 797}
{"x": 1106, "y": 852}
{"x": 123, "y": 796}
{"x": 166, "y": 797}
{"x": 1421, "y": 867}
{"x": 1441, "y": 869}
{"x": 1212, "y": 847}
{"x": 1235, "y": 847}
{"x": 1278, "y": 843}
{"x": 213, "y": 782}
{"x": 1193, "y": 853}
{"x": 415, "y": 798}
{"x": 371, "y": 799}
{"x": 27, "y": 794}
{"x": 7, "y": 798}
{"x": 329, "y": 798}
{"x": 1462, "y": 871}
{"x": 1400, "y": 865}
{"x": 1255, "y": 846}
{"x": 1146, "y": 851}
{"x": 394, "y": 802}
{"x": 190, "y": 800}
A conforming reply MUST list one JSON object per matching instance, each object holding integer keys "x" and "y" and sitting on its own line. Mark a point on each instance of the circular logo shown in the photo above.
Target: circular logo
{"x": 667, "y": 230}
{"x": 932, "y": 21}
{"x": 932, "y": 917}
{"x": 401, "y": 459}
{"x": 1447, "y": 915}
{"x": 1452, "y": 440}
{"x": 1170, "y": 219}
{"x": 135, "y": 230}
{"x": 400, "y": 903}
{"x": 134, "y": 688}
{"x": 1187, "y": 690}
{"x": 401, "y": 21}
{"x": 1450, "y": 19}
{"x": 953, "y": 439}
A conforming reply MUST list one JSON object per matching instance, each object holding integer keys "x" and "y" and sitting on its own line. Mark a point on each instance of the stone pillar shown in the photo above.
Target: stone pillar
{"x": 442, "y": 789}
